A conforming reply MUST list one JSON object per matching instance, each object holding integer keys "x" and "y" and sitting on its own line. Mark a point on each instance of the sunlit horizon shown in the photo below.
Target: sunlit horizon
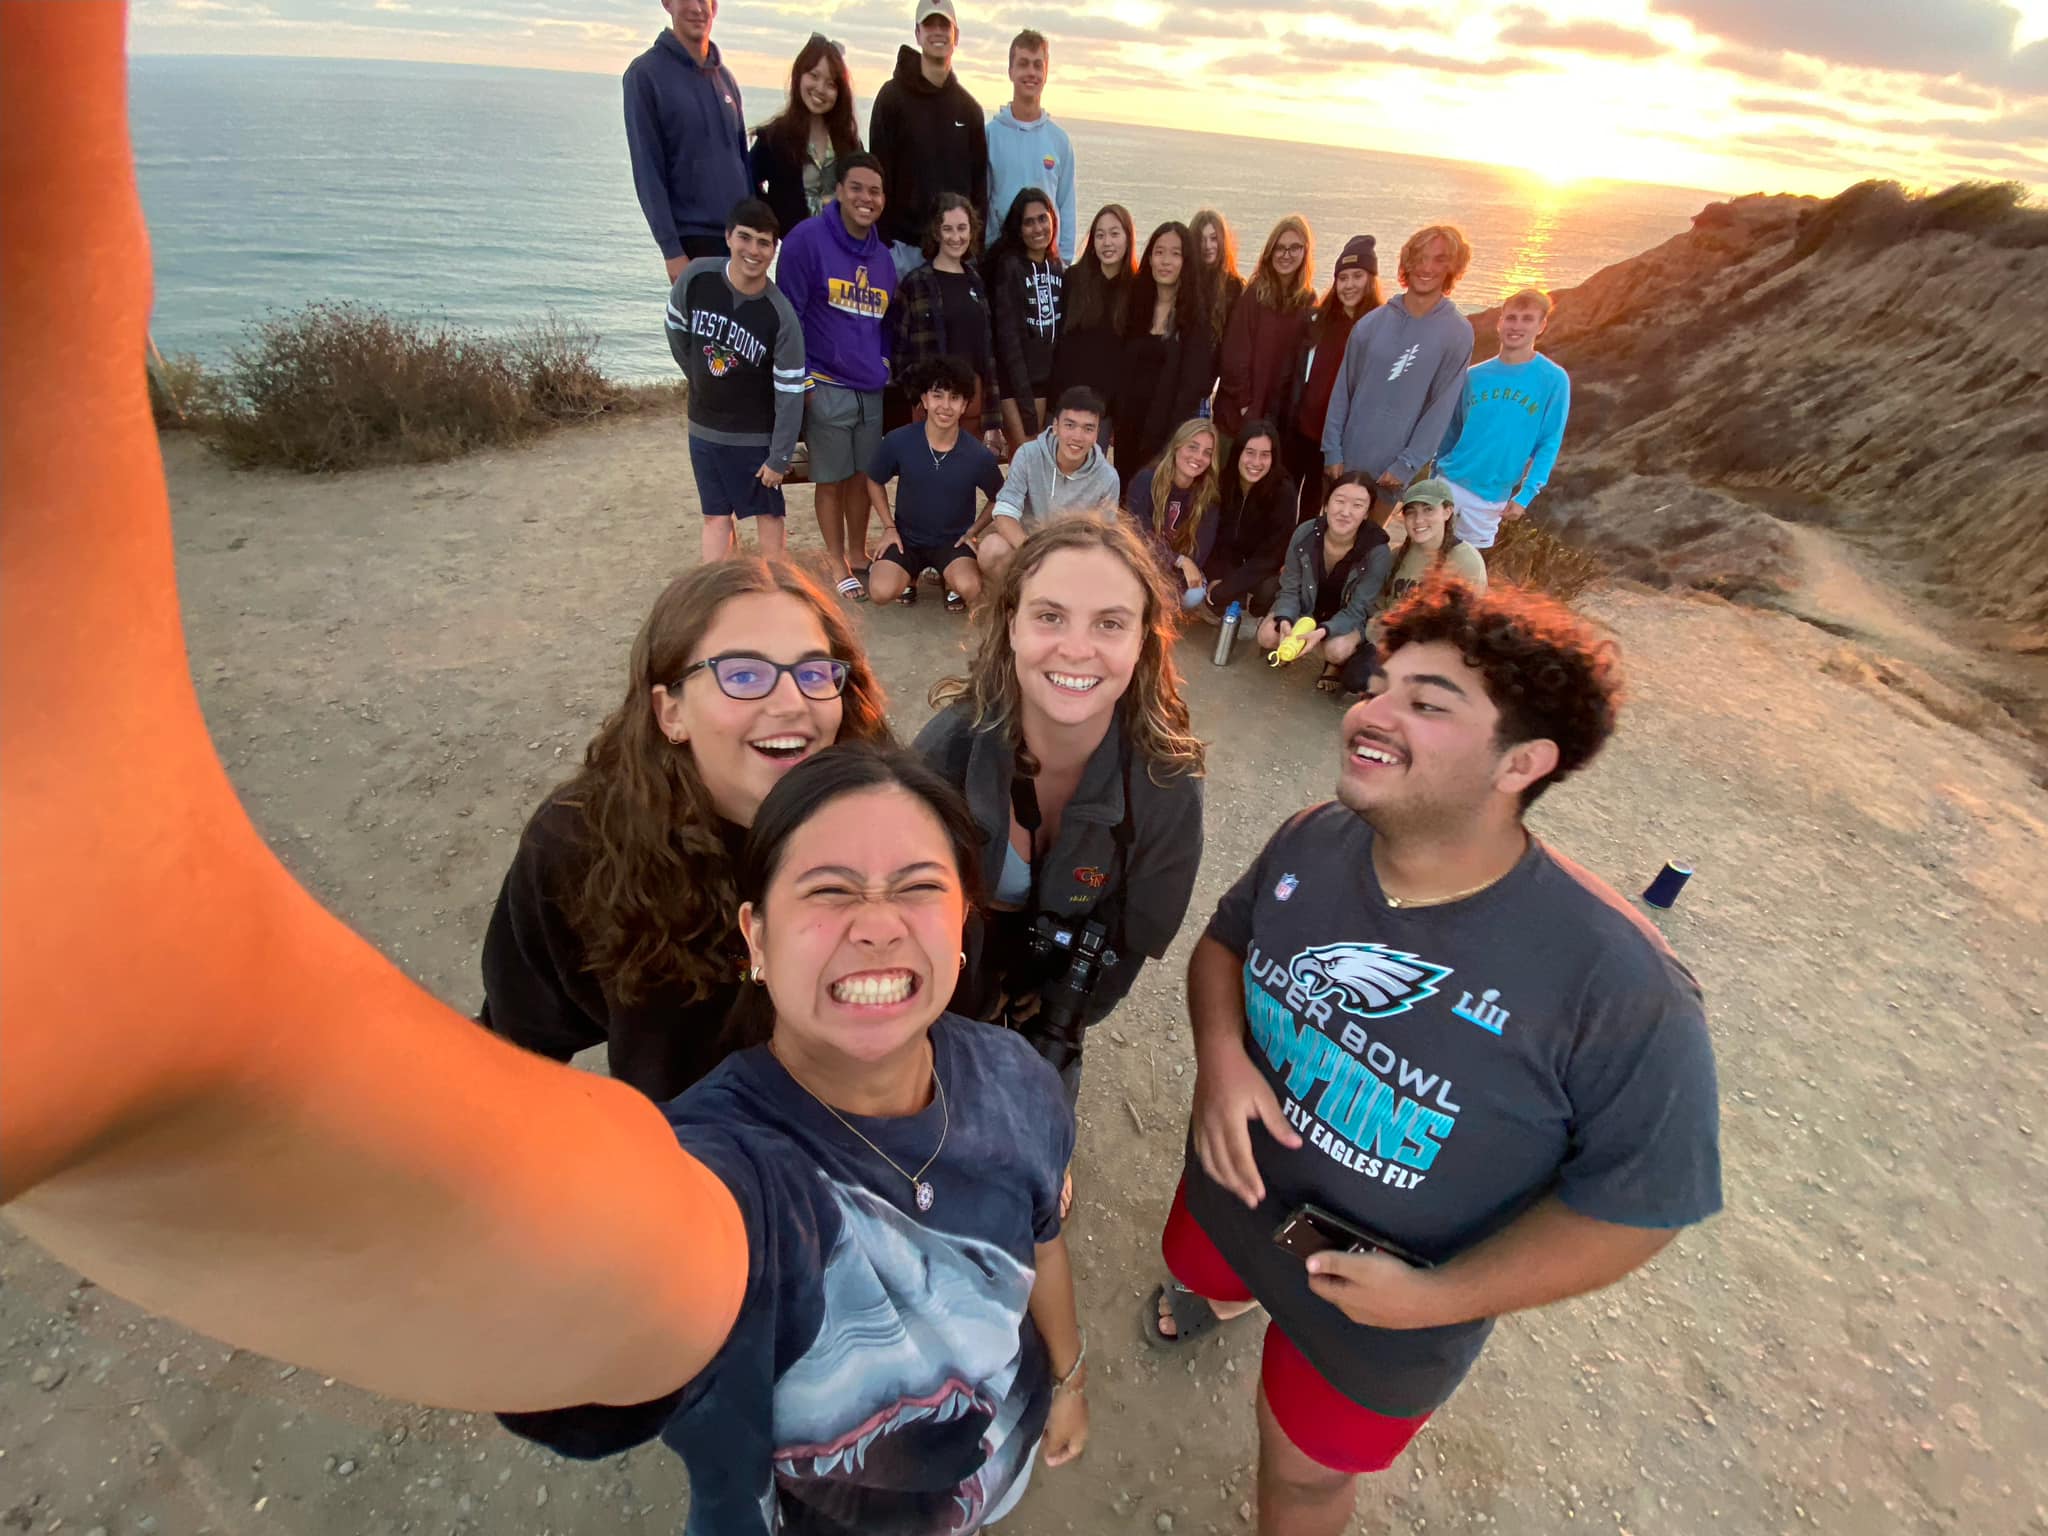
{"x": 1677, "y": 93}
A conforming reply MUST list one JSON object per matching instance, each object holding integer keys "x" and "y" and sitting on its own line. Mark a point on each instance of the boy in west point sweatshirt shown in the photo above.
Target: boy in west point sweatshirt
{"x": 1026, "y": 148}
{"x": 1515, "y": 406}
{"x": 1403, "y": 372}
{"x": 741, "y": 346}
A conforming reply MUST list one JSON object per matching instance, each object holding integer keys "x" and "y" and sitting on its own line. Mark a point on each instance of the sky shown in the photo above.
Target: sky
{"x": 1727, "y": 95}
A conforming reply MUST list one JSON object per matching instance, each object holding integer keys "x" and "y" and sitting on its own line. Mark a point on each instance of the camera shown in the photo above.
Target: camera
{"x": 1073, "y": 962}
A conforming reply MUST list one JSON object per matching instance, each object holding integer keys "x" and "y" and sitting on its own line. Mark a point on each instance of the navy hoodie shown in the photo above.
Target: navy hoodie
{"x": 688, "y": 140}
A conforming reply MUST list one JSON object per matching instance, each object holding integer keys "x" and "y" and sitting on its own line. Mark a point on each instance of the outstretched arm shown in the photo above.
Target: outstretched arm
{"x": 214, "y": 1098}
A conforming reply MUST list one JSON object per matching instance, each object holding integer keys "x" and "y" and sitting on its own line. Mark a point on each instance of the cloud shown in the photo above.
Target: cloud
{"x": 1604, "y": 39}
{"x": 1763, "y": 64}
{"x": 1788, "y": 106}
{"x": 1322, "y": 51}
{"x": 1973, "y": 38}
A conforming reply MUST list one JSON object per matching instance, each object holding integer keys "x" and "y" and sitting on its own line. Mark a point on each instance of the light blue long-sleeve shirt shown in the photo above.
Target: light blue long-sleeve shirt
{"x": 1033, "y": 154}
{"x": 1514, "y": 418}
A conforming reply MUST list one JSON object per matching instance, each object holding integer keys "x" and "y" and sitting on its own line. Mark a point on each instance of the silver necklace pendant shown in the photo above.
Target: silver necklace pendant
{"x": 924, "y": 1195}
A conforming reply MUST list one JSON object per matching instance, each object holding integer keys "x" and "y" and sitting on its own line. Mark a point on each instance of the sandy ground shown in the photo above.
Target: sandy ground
{"x": 396, "y": 666}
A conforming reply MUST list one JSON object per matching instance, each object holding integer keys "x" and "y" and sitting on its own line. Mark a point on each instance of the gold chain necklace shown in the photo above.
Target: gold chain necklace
{"x": 919, "y": 1188}
{"x": 1403, "y": 903}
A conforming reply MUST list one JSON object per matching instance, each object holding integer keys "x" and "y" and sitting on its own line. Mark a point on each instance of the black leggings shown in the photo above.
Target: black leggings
{"x": 1255, "y": 584}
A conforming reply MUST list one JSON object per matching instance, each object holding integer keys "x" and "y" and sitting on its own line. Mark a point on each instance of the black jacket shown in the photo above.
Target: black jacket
{"x": 1162, "y": 384}
{"x": 779, "y": 179}
{"x": 1165, "y": 850}
{"x": 540, "y": 993}
{"x": 930, "y": 139}
{"x": 1025, "y": 335}
{"x": 1253, "y": 533}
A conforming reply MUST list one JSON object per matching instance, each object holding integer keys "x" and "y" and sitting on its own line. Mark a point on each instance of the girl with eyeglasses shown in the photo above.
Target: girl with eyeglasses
{"x": 616, "y": 921}
{"x": 1266, "y": 326}
{"x": 790, "y": 165}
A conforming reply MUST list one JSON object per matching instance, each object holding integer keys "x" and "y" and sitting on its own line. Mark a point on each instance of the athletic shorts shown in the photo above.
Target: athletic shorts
{"x": 1478, "y": 520}
{"x": 1323, "y": 1424}
{"x": 726, "y": 483}
{"x": 844, "y": 428}
{"x": 919, "y": 558}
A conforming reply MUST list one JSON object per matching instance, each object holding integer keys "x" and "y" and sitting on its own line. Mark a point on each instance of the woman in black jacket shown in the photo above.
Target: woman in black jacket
{"x": 790, "y": 164}
{"x": 1025, "y": 278}
{"x": 617, "y": 922}
{"x": 1253, "y": 525}
{"x": 1098, "y": 290}
{"x": 1169, "y": 359}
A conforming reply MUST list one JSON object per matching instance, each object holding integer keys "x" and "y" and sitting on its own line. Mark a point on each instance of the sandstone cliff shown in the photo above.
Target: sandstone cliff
{"x": 1875, "y": 364}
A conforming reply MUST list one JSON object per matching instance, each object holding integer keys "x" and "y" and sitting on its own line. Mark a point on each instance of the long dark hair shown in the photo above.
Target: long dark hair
{"x": 1010, "y": 242}
{"x": 847, "y": 769}
{"x": 657, "y": 905}
{"x": 1188, "y": 309}
{"x": 1269, "y": 497}
{"x": 1093, "y": 300}
{"x": 1221, "y": 283}
{"x": 790, "y": 129}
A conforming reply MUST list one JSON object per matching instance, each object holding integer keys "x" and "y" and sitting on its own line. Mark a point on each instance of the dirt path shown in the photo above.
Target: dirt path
{"x": 397, "y": 665}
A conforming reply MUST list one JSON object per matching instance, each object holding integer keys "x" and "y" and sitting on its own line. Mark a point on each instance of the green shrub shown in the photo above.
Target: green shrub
{"x": 1529, "y": 554}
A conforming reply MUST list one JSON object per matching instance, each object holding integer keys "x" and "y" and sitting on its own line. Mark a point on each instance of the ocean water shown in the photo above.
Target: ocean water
{"x": 491, "y": 196}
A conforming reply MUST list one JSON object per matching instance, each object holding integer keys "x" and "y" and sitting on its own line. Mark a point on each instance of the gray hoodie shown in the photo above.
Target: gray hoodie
{"x": 1400, "y": 380}
{"x": 1037, "y": 489}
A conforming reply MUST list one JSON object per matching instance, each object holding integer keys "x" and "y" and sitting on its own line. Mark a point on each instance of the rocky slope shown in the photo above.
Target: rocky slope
{"x": 1875, "y": 364}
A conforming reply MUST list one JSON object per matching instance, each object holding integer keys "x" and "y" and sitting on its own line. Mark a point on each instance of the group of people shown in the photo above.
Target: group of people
{"x": 1441, "y": 1073}
{"x": 1220, "y": 413}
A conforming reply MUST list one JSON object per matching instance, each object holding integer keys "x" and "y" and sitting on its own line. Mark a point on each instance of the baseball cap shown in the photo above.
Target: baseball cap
{"x": 1359, "y": 252}
{"x": 926, "y": 9}
{"x": 1435, "y": 492}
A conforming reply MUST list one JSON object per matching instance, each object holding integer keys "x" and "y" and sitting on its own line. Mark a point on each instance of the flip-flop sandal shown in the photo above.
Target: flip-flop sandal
{"x": 955, "y": 603}
{"x": 852, "y": 589}
{"x": 909, "y": 596}
{"x": 1328, "y": 682}
{"x": 1192, "y": 1317}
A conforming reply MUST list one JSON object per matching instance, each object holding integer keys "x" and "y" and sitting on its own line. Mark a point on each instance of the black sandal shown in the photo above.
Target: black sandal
{"x": 1331, "y": 677}
{"x": 1192, "y": 1316}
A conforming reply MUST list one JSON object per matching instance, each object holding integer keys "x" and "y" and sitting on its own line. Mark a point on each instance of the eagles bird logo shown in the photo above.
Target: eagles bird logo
{"x": 1368, "y": 980}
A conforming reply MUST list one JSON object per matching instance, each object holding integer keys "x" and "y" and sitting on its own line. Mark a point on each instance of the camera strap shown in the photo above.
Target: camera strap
{"x": 1024, "y": 805}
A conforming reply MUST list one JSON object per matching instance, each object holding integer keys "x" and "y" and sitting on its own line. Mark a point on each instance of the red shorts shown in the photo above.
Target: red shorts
{"x": 1324, "y": 1424}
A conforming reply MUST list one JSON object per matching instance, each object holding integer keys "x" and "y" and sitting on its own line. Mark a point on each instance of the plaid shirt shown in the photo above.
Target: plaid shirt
{"x": 921, "y": 338}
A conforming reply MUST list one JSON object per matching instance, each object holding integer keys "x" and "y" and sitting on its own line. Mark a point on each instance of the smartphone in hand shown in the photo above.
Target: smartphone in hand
{"x": 1311, "y": 1229}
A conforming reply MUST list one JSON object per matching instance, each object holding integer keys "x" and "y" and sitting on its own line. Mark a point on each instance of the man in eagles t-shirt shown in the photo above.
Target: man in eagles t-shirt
{"x": 1412, "y": 1014}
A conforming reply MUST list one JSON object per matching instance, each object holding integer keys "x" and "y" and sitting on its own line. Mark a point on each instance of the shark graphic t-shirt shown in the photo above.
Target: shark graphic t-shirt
{"x": 883, "y": 1375}
{"x": 1447, "y": 1068}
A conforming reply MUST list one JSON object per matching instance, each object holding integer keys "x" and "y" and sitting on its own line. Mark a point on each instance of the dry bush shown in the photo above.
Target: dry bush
{"x": 342, "y": 386}
{"x": 183, "y": 395}
{"x": 1531, "y": 555}
{"x": 557, "y": 359}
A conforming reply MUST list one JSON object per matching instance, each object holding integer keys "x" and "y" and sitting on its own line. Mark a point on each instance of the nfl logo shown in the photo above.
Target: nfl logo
{"x": 1285, "y": 888}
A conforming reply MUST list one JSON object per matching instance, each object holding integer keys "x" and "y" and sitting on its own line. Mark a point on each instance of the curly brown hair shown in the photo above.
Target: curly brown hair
{"x": 659, "y": 902}
{"x": 1156, "y": 715}
{"x": 1548, "y": 672}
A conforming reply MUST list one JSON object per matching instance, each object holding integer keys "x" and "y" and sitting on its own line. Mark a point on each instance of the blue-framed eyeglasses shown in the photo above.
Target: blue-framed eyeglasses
{"x": 740, "y": 675}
